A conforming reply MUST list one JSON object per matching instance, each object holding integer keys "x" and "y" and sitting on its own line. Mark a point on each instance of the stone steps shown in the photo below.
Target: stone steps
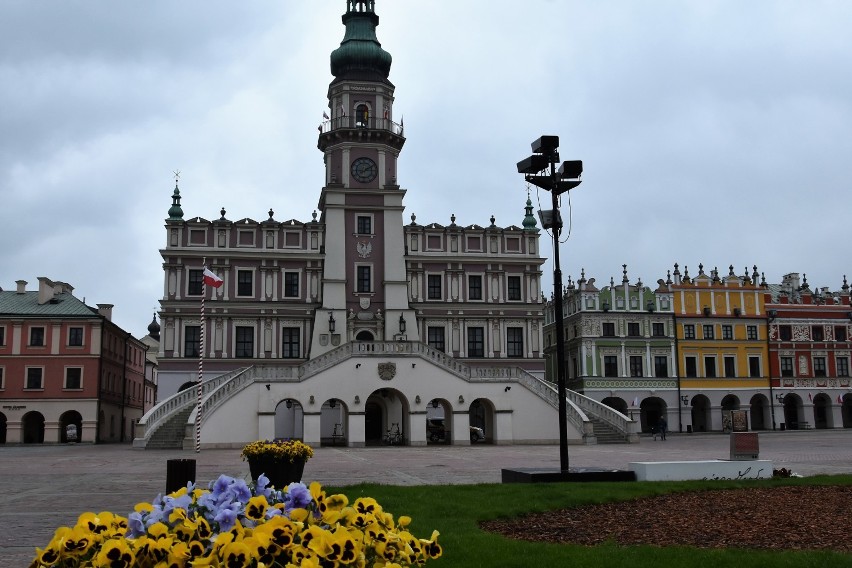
{"x": 170, "y": 435}
{"x": 605, "y": 434}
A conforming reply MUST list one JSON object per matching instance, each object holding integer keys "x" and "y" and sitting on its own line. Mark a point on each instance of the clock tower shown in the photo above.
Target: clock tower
{"x": 364, "y": 287}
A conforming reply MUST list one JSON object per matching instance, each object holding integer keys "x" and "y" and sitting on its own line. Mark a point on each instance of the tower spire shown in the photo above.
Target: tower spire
{"x": 360, "y": 55}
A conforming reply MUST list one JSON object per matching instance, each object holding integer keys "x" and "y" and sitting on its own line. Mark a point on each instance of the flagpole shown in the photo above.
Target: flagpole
{"x": 200, "y": 362}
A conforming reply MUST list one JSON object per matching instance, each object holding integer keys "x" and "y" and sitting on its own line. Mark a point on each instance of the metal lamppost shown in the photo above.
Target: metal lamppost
{"x": 557, "y": 181}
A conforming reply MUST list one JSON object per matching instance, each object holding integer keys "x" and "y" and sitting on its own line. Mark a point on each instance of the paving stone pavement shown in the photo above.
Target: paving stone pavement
{"x": 45, "y": 487}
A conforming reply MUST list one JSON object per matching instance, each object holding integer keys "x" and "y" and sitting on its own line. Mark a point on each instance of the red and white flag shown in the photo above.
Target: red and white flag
{"x": 325, "y": 115}
{"x": 636, "y": 401}
{"x": 211, "y": 279}
{"x": 810, "y": 397}
{"x": 839, "y": 399}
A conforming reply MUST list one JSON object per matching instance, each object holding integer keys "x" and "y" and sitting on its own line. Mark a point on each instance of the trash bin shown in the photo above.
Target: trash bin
{"x": 783, "y": 426}
{"x": 179, "y": 473}
{"x": 689, "y": 428}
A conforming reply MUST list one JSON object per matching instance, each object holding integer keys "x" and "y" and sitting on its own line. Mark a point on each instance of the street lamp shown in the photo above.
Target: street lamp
{"x": 557, "y": 181}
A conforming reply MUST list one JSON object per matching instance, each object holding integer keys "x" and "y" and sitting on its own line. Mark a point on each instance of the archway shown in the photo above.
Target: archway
{"x": 846, "y": 410}
{"x": 616, "y": 403}
{"x": 437, "y": 426}
{"x": 2, "y": 428}
{"x": 70, "y": 418}
{"x": 700, "y": 413}
{"x": 758, "y": 407}
{"x": 386, "y": 415}
{"x": 792, "y": 405}
{"x": 188, "y": 385}
{"x": 650, "y": 411}
{"x": 290, "y": 419}
{"x": 32, "y": 425}
{"x": 481, "y": 421}
{"x": 333, "y": 416}
{"x": 730, "y": 402}
{"x": 365, "y": 336}
{"x": 822, "y": 412}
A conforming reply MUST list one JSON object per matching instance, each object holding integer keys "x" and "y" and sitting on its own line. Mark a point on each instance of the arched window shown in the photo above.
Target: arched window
{"x": 362, "y": 116}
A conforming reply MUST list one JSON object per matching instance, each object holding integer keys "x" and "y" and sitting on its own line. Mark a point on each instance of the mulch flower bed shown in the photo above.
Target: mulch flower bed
{"x": 788, "y": 518}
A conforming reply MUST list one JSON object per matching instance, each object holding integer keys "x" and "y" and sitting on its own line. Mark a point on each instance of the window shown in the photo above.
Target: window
{"x": 817, "y": 333}
{"x": 191, "y": 340}
{"x": 633, "y": 329}
{"x": 727, "y": 332}
{"x": 290, "y": 343}
{"x": 476, "y": 342}
{"x": 609, "y": 329}
{"x": 365, "y": 225}
{"x": 842, "y": 367}
{"x": 708, "y": 331}
{"x": 245, "y": 342}
{"x": 291, "y": 284}
{"x": 34, "y": 378}
{"x": 839, "y": 334}
{"x": 75, "y": 337}
{"x": 195, "y": 283}
{"x": 73, "y": 378}
{"x": 433, "y": 283}
{"x": 2, "y": 384}
{"x": 688, "y": 331}
{"x": 610, "y": 366}
{"x": 435, "y": 338}
{"x": 786, "y": 366}
{"x": 709, "y": 367}
{"x": 751, "y": 332}
{"x": 819, "y": 366}
{"x": 514, "y": 342}
{"x": 635, "y": 365}
{"x": 245, "y": 285}
{"x": 661, "y": 366}
{"x": 691, "y": 367}
{"x": 363, "y": 279}
{"x": 37, "y": 337}
{"x": 658, "y": 329}
{"x": 730, "y": 366}
{"x": 754, "y": 367}
{"x": 513, "y": 284}
{"x": 474, "y": 287}
{"x": 786, "y": 332}
{"x": 2, "y": 336}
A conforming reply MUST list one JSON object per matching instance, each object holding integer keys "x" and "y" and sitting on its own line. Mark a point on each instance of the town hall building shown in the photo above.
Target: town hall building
{"x": 357, "y": 326}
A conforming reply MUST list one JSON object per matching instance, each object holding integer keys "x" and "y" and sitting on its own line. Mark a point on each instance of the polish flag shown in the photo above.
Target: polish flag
{"x": 325, "y": 115}
{"x": 810, "y": 398}
{"x": 839, "y": 399}
{"x": 636, "y": 401}
{"x": 211, "y": 279}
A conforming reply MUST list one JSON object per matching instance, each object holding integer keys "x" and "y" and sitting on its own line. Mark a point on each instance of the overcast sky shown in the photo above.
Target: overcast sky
{"x": 714, "y": 132}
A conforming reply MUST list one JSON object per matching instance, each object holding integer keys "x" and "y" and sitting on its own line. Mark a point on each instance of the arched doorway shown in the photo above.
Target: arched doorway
{"x": 32, "y": 425}
{"x": 188, "y": 385}
{"x": 386, "y": 412}
{"x": 365, "y": 336}
{"x": 333, "y": 415}
{"x": 700, "y": 413}
{"x": 730, "y": 403}
{"x": 290, "y": 419}
{"x": 650, "y": 411}
{"x": 758, "y": 407}
{"x": 70, "y": 418}
{"x": 616, "y": 403}
{"x": 792, "y": 405}
{"x": 481, "y": 417}
{"x": 437, "y": 425}
{"x": 822, "y": 412}
{"x": 846, "y": 410}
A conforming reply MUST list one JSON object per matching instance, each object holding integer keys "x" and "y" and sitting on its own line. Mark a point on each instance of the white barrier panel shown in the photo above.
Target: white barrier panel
{"x": 706, "y": 469}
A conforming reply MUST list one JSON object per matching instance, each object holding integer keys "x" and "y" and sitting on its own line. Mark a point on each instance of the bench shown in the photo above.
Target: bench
{"x": 337, "y": 434}
{"x": 804, "y": 425}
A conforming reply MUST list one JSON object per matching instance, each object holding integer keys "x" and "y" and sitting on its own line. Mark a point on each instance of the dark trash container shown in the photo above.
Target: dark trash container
{"x": 689, "y": 428}
{"x": 783, "y": 426}
{"x": 178, "y": 474}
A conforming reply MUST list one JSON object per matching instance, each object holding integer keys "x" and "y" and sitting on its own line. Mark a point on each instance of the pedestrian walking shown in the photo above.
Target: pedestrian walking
{"x": 662, "y": 426}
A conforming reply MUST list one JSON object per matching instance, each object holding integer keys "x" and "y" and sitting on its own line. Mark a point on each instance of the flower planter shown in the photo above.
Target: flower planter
{"x": 281, "y": 472}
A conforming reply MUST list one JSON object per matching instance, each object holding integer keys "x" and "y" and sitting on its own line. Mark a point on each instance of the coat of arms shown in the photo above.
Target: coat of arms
{"x": 387, "y": 371}
{"x": 364, "y": 249}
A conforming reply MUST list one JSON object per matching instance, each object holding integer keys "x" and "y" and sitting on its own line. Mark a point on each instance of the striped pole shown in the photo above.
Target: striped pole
{"x": 200, "y": 365}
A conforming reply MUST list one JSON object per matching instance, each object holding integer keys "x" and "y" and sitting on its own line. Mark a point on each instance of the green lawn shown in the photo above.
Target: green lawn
{"x": 456, "y": 510}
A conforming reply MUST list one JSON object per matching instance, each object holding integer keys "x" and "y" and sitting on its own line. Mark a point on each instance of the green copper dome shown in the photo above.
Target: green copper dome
{"x": 529, "y": 219}
{"x": 175, "y": 212}
{"x": 360, "y": 55}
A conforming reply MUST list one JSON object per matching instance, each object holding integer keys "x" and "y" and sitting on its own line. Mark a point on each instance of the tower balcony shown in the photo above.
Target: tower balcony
{"x": 367, "y": 129}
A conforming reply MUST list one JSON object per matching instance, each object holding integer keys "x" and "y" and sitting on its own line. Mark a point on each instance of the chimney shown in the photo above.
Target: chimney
{"x": 22, "y": 286}
{"x": 47, "y": 289}
{"x": 105, "y": 310}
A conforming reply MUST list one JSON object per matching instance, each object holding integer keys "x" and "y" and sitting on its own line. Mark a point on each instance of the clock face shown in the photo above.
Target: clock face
{"x": 364, "y": 170}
